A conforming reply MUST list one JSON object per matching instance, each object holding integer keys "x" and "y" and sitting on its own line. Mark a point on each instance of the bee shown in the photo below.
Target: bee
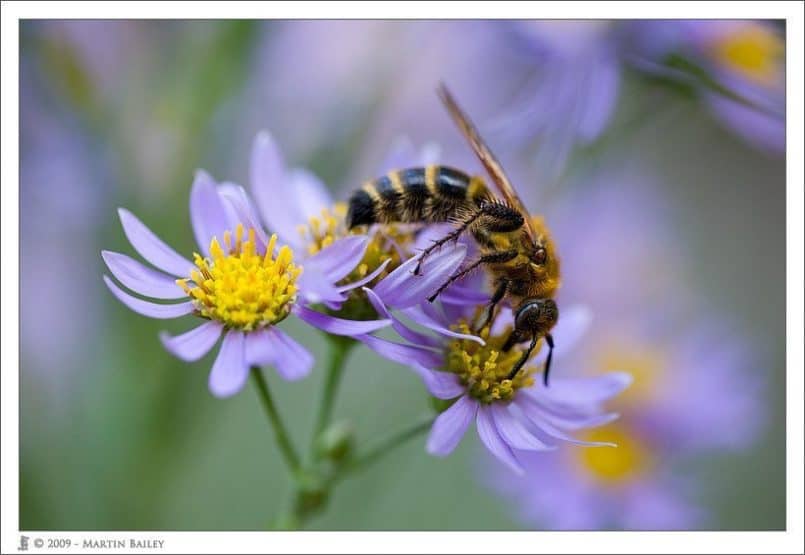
{"x": 518, "y": 252}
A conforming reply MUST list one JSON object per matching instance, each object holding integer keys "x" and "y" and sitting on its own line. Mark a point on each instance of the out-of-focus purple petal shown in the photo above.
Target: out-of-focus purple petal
{"x": 151, "y": 247}
{"x": 600, "y": 97}
{"x": 398, "y": 352}
{"x": 418, "y": 315}
{"x": 193, "y": 344}
{"x": 450, "y": 426}
{"x": 404, "y": 331}
{"x": 141, "y": 279}
{"x": 285, "y": 199}
{"x": 230, "y": 370}
{"x": 403, "y": 154}
{"x": 442, "y": 385}
{"x": 513, "y": 432}
{"x": 312, "y": 195}
{"x": 363, "y": 281}
{"x": 583, "y": 391}
{"x": 338, "y": 326}
{"x": 239, "y": 209}
{"x": 271, "y": 191}
{"x": 207, "y": 212}
{"x": 292, "y": 361}
{"x": 401, "y": 288}
{"x": 573, "y": 323}
{"x": 152, "y": 310}
{"x": 336, "y": 261}
{"x": 490, "y": 436}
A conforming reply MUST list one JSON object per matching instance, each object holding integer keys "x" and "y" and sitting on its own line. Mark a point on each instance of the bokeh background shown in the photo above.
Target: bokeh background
{"x": 663, "y": 199}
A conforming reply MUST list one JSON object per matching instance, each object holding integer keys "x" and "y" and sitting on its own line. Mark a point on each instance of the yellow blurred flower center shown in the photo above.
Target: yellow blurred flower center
{"x": 484, "y": 369}
{"x": 627, "y": 461}
{"x": 241, "y": 288}
{"x": 753, "y": 50}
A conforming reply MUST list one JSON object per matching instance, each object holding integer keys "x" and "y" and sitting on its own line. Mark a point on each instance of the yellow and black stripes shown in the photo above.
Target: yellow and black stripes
{"x": 430, "y": 194}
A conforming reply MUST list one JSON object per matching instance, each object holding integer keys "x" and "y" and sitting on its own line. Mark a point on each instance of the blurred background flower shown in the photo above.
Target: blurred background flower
{"x": 679, "y": 251}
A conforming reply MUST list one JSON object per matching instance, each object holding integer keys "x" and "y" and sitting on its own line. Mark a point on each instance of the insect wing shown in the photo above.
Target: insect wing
{"x": 485, "y": 155}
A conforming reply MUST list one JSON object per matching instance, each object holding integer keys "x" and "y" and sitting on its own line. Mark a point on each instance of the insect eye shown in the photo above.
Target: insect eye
{"x": 540, "y": 256}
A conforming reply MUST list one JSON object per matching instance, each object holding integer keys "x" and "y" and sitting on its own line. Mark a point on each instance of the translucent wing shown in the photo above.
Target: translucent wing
{"x": 485, "y": 155}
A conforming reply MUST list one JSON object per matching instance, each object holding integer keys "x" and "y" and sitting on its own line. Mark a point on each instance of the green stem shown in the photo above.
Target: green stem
{"x": 340, "y": 348}
{"x": 384, "y": 447}
{"x": 284, "y": 441}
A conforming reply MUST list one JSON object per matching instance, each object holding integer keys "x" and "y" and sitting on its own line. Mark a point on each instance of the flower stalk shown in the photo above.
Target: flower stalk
{"x": 280, "y": 432}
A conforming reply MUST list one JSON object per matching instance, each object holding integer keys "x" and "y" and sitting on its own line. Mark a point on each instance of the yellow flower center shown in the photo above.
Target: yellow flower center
{"x": 752, "y": 50}
{"x": 629, "y": 460}
{"x": 484, "y": 369}
{"x": 241, "y": 288}
{"x": 384, "y": 244}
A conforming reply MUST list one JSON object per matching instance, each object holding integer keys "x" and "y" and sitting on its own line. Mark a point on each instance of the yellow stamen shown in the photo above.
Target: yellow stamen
{"x": 485, "y": 369}
{"x": 240, "y": 288}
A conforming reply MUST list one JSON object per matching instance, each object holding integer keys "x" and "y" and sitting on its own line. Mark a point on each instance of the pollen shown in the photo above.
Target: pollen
{"x": 753, "y": 50}
{"x": 484, "y": 369}
{"x": 240, "y": 287}
{"x": 631, "y": 459}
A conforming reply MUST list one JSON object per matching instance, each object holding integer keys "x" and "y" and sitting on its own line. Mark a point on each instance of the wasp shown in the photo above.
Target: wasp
{"x": 517, "y": 251}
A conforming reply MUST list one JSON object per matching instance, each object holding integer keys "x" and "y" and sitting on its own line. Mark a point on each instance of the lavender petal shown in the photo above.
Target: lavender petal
{"x": 230, "y": 370}
{"x": 401, "y": 288}
{"x": 292, "y": 360}
{"x": 513, "y": 432}
{"x": 338, "y": 326}
{"x": 151, "y": 247}
{"x": 574, "y": 322}
{"x": 366, "y": 279}
{"x": 207, "y": 212}
{"x": 140, "y": 278}
{"x": 239, "y": 209}
{"x": 336, "y": 261}
{"x": 419, "y": 315}
{"x": 152, "y": 310}
{"x": 193, "y": 344}
{"x": 404, "y": 354}
{"x": 450, "y": 426}
{"x": 490, "y": 436}
{"x": 442, "y": 385}
{"x": 402, "y": 330}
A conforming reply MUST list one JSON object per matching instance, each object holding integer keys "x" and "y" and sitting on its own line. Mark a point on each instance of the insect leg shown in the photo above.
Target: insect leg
{"x": 490, "y": 258}
{"x": 500, "y": 292}
{"x": 524, "y": 358}
{"x": 549, "y": 341}
{"x": 453, "y": 235}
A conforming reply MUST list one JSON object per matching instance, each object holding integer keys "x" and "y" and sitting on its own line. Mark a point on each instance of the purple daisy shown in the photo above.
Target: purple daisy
{"x": 242, "y": 284}
{"x": 472, "y": 373}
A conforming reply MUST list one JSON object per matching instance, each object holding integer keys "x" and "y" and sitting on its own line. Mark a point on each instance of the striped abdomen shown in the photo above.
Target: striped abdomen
{"x": 431, "y": 194}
